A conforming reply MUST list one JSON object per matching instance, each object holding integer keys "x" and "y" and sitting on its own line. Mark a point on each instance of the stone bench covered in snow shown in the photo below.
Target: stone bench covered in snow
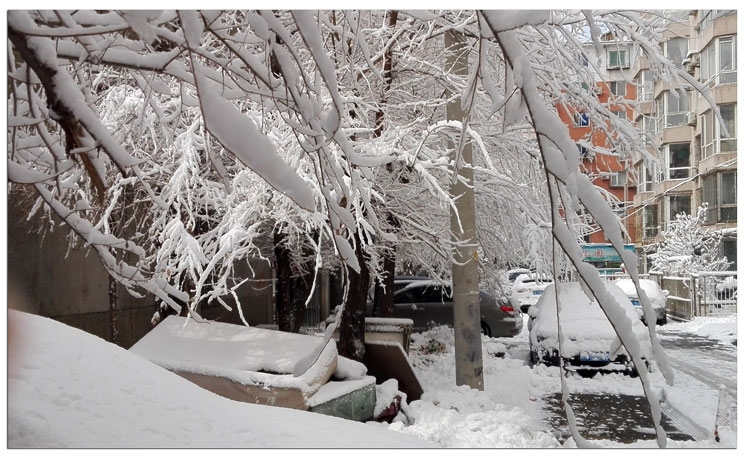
{"x": 255, "y": 365}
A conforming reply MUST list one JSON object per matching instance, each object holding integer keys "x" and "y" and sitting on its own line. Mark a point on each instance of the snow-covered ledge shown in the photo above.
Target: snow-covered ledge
{"x": 243, "y": 363}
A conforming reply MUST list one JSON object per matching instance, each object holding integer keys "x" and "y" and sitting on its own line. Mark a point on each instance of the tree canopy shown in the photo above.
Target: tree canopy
{"x": 176, "y": 143}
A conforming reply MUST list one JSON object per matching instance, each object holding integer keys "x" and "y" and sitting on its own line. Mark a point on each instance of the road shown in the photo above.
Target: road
{"x": 708, "y": 361}
{"x": 626, "y": 418}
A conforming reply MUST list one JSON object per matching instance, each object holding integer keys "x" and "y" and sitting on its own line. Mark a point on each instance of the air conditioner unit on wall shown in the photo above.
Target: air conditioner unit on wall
{"x": 597, "y": 90}
{"x": 691, "y": 119}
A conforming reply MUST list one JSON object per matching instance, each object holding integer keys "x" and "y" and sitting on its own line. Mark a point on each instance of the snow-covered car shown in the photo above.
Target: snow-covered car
{"x": 513, "y": 274}
{"x": 527, "y": 289}
{"x": 428, "y": 302}
{"x": 589, "y": 343}
{"x": 657, "y": 297}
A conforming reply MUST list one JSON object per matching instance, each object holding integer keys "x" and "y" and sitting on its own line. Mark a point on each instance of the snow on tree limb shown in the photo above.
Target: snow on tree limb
{"x": 239, "y": 135}
{"x": 562, "y": 163}
{"x": 65, "y": 98}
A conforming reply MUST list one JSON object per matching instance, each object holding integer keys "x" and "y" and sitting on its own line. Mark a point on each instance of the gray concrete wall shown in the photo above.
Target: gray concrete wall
{"x": 69, "y": 285}
{"x": 46, "y": 279}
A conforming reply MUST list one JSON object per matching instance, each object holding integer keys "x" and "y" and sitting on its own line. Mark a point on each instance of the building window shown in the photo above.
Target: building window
{"x": 727, "y": 60}
{"x": 649, "y": 129}
{"x": 645, "y": 90}
{"x": 676, "y": 50}
{"x": 719, "y": 61}
{"x": 676, "y": 108}
{"x": 659, "y": 112}
{"x": 647, "y": 173}
{"x": 618, "y": 88}
{"x": 728, "y": 112}
{"x": 618, "y": 179}
{"x": 728, "y": 197}
{"x": 581, "y": 119}
{"x": 649, "y": 221}
{"x": 617, "y": 59}
{"x": 729, "y": 250}
{"x": 678, "y": 204}
{"x": 583, "y": 152}
{"x": 582, "y": 59}
{"x": 713, "y": 140}
{"x": 720, "y": 192}
{"x": 678, "y": 159}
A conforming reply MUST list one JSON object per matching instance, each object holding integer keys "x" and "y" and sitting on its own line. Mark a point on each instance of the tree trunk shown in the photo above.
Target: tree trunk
{"x": 291, "y": 292}
{"x": 383, "y": 302}
{"x": 383, "y": 305}
{"x": 352, "y": 325}
{"x": 469, "y": 367}
{"x": 113, "y": 310}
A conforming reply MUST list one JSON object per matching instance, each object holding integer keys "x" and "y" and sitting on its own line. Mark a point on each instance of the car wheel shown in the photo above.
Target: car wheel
{"x": 485, "y": 329}
{"x": 663, "y": 321}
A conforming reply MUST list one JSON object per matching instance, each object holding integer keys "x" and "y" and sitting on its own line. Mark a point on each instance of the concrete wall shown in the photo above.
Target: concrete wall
{"x": 46, "y": 279}
{"x": 71, "y": 286}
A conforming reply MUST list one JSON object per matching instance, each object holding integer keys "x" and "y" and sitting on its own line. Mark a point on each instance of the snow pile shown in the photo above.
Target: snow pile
{"x": 69, "y": 389}
{"x": 245, "y": 355}
{"x": 723, "y": 329}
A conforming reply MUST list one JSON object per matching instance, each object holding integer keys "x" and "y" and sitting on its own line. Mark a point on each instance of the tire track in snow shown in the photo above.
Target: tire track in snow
{"x": 707, "y": 377}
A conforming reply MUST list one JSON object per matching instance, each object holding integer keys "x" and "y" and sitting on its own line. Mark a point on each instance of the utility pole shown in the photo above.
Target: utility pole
{"x": 469, "y": 366}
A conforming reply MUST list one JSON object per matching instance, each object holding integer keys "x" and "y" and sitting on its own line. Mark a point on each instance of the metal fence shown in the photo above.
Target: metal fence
{"x": 679, "y": 300}
{"x": 716, "y": 293}
{"x": 702, "y": 294}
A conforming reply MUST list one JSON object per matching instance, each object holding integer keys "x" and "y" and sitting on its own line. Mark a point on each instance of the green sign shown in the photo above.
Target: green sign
{"x": 600, "y": 253}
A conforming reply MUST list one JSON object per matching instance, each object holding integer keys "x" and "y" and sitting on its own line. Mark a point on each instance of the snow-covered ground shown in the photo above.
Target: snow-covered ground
{"x": 508, "y": 412}
{"x": 67, "y": 388}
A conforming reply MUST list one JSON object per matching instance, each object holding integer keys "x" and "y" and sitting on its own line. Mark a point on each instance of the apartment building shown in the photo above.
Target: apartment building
{"x": 694, "y": 160}
{"x": 606, "y": 167}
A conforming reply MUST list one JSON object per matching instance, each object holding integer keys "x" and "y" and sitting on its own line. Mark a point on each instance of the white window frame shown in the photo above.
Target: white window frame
{"x": 650, "y": 228}
{"x": 580, "y": 118}
{"x": 618, "y": 179}
{"x": 617, "y": 88}
{"x": 711, "y": 62}
{"x": 668, "y": 206}
{"x": 712, "y": 134}
{"x": 720, "y": 138}
{"x": 720, "y": 204}
{"x": 649, "y": 129}
{"x": 676, "y": 118}
{"x": 646, "y": 172}
{"x": 645, "y": 89}
{"x": 621, "y": 62}
{"x": 668, "y": 162}
{"x": 713, "y": 192}
{"x": 683, "y": 54}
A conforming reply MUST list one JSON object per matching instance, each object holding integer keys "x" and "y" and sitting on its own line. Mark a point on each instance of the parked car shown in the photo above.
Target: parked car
{"x": 657, "y": 296}
{"x": 589, "y": 344}
{"x": 527, "y": 289}
{"x": 427, "y": 302}
{"x": 513, "y": 274}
